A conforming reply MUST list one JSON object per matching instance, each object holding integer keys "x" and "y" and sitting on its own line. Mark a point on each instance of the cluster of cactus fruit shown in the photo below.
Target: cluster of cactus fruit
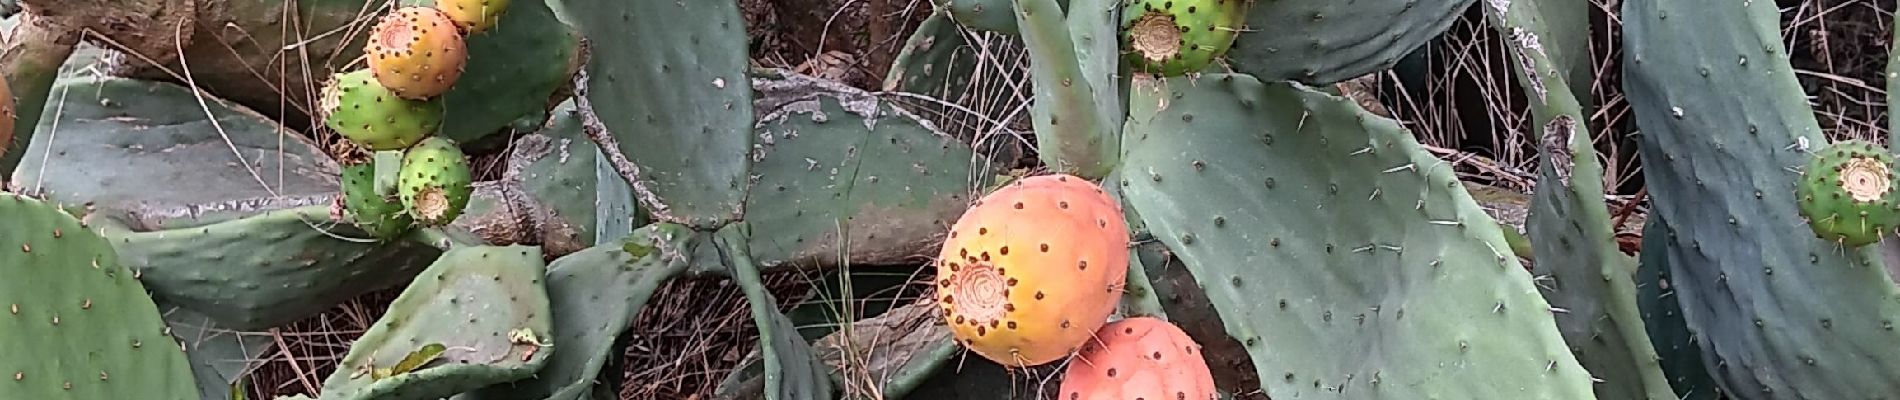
{"x": 1341, "y": 259}
{"x": 415, "y": 54}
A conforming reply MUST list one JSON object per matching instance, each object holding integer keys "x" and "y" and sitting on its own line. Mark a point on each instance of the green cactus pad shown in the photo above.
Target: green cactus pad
{"x": 1778, "y": 312}
{"x": 435, "y": 181}
{"x": 845, "y": 174}
{"x": 1326, "y": 41}
{"x": 1174, "y": 37}
{"x": 677, "y": 103}
{"x": 1074, "y": 115}
{"x": 792, "y": 370}
{"x": 556, "y": 166}
{"x": 264, "y": 270}
{"x": 485, "y": 305}
{"x": 220, "y": 357}
{"x": 150, "y": 149}
{"x": 365, "y": 112}
{"x": 375, "y": 211}
{"x": 74, "y": 322}
{"x": 595, "y": 294}
{"x": 1343, "y": 256}
{"x": 982, "y": 15}
{"x": 515, "y": 70}
{"x": 1679, "y": 355}
{"x": 1847, "y": 193}
{"x": 1579, "y": 265}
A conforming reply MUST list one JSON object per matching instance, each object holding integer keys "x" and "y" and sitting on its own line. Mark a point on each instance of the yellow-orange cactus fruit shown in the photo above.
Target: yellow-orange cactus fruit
{"x": 416, "y": 52}
{"x": 473, "y": 16}
{"x": 1033, "y": 269}
{"x": 1139, "y": 358}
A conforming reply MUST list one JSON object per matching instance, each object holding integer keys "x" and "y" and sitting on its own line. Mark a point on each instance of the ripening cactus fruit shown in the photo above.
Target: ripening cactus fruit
{"x": 1139, "y": 358}
{"x": 473, "y": 16}
{"x": 1175, "y": 37}
{"x": 435, "y": 181}
{"x": 1031, "y": 270}
{"x": 376, "y": 212}
{"x": 1847, "y": 193}
{"x": 363, "y": 111}
{"x": 417, "y": 52}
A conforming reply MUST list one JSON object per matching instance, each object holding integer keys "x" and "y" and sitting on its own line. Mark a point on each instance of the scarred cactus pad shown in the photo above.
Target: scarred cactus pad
{"x": 1847, "y": 193}
{"x": 1032, "y": 270}
{"x": 417, "y": 52}
{"x": 1174, "y": 37}
{"x": 473, "y": 16}
{"x": 1139, "y": 358}
{"x": 363, "y": 111}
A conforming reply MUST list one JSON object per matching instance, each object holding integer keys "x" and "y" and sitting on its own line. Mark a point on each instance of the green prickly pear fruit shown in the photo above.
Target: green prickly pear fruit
{"x": 1033, "y": 269}
{"x": 473, "y": 16}
{"x": 417, "y": 52}
{"x": 368, "y": 206}
{"x": 1174, "y": 37}
{"x": 363, "y": 111}
{"x": 1847, "y": 193}
{"x": 435, "y": 181}
{"x": 1139, "y": 358}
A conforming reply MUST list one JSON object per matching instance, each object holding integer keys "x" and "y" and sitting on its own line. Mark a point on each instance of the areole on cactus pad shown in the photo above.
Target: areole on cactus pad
{"x": 1139, "y": 358}
{"x": 1847, "y": 193}
{"x": 1033, "y": 269}
{"x": 417, "y": 52}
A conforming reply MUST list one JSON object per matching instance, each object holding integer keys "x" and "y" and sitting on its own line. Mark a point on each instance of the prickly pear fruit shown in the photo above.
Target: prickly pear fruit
{"x": 1847, "y": 193}
{"x": 473, "y": 16}
{"x": 363, "y": 111}
{"x": 1174, "y": 37}
{"x": 417, "y": 52}
{"x": 435, "y": 181}
{"x": 379, "y": 213}
{"x": 1139, "y": 358}
{"x": 1031, "y": 270}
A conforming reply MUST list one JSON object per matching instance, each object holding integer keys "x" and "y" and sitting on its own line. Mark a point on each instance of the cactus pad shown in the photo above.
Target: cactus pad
{"x": 1139, "y": 358}
{"x": 1345, "y": 259}
{"x": 1033, "y": 269}
{"x": 1848, "y": 195}
{"x": 7, "y": 119}
{"x": 1327, "y": 41}
{"x": 473, "y": 16}
{"x": 1174, "y": 37}
{"x": 484, "y": 306}
{"x": 359, "y": 107}
{"x": 435, "y": 181}
{"x": 74, "y": 323}
{"x": 417, "y": 52}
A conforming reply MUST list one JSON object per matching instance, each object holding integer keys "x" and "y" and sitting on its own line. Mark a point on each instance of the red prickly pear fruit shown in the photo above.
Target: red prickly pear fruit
{"x": 473, "y": 16}
{"x": 1139, "y": 358}
{"x": 416, "y": 52}
{"x": 1031, "y": 270}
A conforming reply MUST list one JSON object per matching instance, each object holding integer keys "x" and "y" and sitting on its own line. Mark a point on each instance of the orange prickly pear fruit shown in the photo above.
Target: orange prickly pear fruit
{"x": 1139, "y": 358}
{"x": 1033, "y": 269}
{"x": 416, "y": 52}
{"x": 473, "y": 16}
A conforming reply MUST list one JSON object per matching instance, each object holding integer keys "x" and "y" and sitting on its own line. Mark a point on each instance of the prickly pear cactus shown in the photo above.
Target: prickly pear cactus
{"x": 417, "y": 52}
{"x": 473, "y": 16}
{"x": 1847, "y": 193}
{"x": 74, "y": 322}
{"x": 1327, "y": 41}
{"x": 479, "y": 316}
{"x": 1033, "y": 269}
{"x": 595, "y": 294}
{"x": 369, "y": 206}
{"x": 435, "y": 181}
{"x": 359, "y": 107}
{"x": 1345, "y": 258}
{"x": 1174, "y": 37}
{"x": 1139, "y": 358}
